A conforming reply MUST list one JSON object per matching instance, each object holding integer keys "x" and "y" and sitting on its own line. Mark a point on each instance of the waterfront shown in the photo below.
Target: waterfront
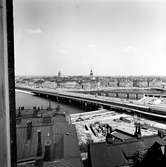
{"x": 29, "y": 100}
{"x": 72, "y": 139}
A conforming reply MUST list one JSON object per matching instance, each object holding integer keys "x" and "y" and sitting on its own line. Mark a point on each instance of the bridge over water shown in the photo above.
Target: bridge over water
{"x": 86, "y": 100}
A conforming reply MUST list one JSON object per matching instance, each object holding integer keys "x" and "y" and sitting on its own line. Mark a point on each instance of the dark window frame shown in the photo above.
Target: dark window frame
{"x": 8, "y": 151}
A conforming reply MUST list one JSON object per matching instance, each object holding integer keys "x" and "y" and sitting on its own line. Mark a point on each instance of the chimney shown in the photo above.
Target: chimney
{"x": 109, "y": 138}
{"x": 137, "y": 130}
{"x": 47, "y": 154}
{"x": 109, "y": 128}
{"x": 35, "y": 112}
{"x": 161, "y": 133}
{"x": 39, "y": 144}
{"x": 18, "y": 120}
{"x": 19, "y": 112}
{"x": 29, "y": 129}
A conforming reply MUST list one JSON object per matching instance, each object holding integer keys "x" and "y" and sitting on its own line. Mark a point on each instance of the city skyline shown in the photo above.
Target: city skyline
{"x": 74, "y": 36}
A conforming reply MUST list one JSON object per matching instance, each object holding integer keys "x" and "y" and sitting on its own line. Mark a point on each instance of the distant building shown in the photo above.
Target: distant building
{"x": 155, "y": 83}
{"x": 59, "y": 74}
{"x": 38, "y": 83}
{"x": 140, "y": 83}
{"x": 112, "y": 83}
{"x": 164, "y": 85}
{"x": 92, "y": 84}
{"x": 125, "y": 83}
{"x": 49, "y": 84}
{"x": 91, "y": 75}
{"x": 69, "y": 85}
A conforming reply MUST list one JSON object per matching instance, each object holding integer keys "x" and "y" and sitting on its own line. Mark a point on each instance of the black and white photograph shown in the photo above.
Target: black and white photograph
{"x": 82, "y": 83}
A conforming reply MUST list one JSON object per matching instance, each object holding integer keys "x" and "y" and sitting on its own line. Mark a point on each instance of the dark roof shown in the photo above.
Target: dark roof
{"x": 111, "y": 155}
{"x": 71, "y": 147}
{"x": 120, "y": 135}
{"x": 62, "y": 135}
{"x": 73, "y": 162}
{"x": 28, "y": 148}
{"x": 102, "y": 156}
{"x": 59, "y": 117}
{"x": 26, "y": 165}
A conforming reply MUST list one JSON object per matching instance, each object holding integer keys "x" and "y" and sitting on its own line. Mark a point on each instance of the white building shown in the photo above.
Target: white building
{"x": 49, "y": 84}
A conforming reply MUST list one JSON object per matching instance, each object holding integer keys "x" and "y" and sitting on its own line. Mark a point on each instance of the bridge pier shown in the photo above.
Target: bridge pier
{"x": 85, "y": 105}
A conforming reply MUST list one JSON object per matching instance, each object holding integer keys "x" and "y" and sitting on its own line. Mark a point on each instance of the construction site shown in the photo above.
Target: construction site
{"x": 93, "y": 126}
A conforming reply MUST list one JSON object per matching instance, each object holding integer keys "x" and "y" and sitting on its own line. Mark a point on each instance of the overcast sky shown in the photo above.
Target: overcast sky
{"x": 113, "y": 37}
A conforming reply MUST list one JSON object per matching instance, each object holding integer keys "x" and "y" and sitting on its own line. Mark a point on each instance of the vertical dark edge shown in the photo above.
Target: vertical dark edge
{"x": 11, "y": 74}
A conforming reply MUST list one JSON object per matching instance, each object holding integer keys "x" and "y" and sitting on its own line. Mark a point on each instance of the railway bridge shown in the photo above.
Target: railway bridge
{"x": 88, "y": 101}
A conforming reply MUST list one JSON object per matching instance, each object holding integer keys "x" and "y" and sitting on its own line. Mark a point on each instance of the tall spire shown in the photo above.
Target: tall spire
{"x": 59, "y": 74}
{"x": 91, "y": 73}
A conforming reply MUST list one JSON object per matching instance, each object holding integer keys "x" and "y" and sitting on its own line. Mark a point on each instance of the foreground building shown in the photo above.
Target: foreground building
{"x": 109, "y": 139}
{"x": 142, "y": 152}
{"x": 46, "y": 139}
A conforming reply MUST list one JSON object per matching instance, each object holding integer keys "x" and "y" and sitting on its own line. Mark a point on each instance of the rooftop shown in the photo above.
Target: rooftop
{"x": 74, "y": 162}
{"x": 121, "y": 135}
{"x": 121, "y": 153}
{"x": 61, "y": 135}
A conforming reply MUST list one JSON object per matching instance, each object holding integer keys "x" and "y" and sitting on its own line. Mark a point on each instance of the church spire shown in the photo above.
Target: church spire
{"x": 91, "y": 74}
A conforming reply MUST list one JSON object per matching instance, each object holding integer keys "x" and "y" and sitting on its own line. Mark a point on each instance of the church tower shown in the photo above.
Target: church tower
{"x": 59, "y": 74}
{"x": 91, "y": 74}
